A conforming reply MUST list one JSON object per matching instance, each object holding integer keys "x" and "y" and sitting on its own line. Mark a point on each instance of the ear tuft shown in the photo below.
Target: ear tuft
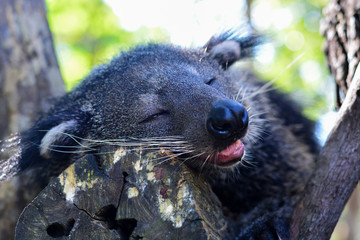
{"x": 57, "y": 135}
{"x": 230, "y": 47}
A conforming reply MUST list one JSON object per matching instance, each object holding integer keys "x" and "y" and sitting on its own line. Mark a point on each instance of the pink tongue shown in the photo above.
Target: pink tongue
{"x": 236, "y": 150}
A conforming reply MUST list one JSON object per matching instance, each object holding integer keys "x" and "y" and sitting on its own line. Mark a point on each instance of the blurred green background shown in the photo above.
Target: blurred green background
{"x": 89, "y": 32}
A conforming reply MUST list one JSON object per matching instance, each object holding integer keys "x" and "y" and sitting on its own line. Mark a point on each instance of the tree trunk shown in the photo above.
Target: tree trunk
{"x": 124, "y": 194}
{"x": 29, "y": 77}
{"x": 338, "y": 168}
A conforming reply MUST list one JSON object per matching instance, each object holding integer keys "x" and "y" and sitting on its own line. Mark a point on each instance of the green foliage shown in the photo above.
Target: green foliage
{"x": 87, "y": 33}
{"x": 299, "y": 65}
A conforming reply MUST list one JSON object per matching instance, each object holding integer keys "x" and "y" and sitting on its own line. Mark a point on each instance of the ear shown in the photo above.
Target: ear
{"x": 58, "y": 137}
{"x": 229, "y": 47}
{"x": 54, "y": 139}
{"x": 31, "y": 147}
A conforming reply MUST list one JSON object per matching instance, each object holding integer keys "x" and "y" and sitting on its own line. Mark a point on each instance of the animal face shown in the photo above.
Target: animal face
{"x": 165, "y": 92}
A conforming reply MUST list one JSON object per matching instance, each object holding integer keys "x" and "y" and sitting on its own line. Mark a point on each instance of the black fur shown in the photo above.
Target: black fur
{"x": 161, "y": 91}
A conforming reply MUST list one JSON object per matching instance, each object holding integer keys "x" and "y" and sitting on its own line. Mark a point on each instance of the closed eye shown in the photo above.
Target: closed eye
{"x": 155, "y": 116}
{"x": 211, "y": 81}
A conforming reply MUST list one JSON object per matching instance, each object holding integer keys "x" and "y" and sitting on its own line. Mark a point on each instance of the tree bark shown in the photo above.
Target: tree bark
{"x": 29, "y": 77}
{"x": 125, "y": 195}
{"x": 341, "y": 29}
{"x": 338, "y": 168}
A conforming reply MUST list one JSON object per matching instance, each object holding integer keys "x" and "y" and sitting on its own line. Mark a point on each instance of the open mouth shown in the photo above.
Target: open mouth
{"x": 230, "y": 155}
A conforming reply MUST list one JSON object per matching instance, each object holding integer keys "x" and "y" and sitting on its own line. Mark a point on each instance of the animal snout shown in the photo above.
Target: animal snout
{"x": 227, "y": 119}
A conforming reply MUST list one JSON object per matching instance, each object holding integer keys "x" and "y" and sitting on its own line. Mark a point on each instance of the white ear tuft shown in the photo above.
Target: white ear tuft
{"x": 55, "y": 134}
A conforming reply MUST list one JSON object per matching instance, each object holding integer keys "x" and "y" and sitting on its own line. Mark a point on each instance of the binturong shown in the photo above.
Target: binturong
{"x": 249, "y": 141}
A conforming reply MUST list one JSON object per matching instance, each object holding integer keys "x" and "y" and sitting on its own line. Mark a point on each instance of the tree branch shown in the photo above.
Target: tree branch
{"x": 338, "y": 168}
{"x": 336, "y": 175}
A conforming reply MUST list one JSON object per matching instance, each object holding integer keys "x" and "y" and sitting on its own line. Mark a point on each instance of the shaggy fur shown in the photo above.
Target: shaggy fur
{"x": 161, "y": 95}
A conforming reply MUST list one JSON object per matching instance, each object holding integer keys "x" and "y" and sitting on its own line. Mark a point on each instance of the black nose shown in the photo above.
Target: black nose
{"x": 227, "y": 119}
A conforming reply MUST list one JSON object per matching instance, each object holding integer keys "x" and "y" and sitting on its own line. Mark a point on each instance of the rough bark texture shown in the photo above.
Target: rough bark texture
{"x": 29, "y": 77}
{"x": 29, "y": 73}
{"x": 338, "y": 168}
{"x": 341, "y": 27}
{"x": 121, "y": 195}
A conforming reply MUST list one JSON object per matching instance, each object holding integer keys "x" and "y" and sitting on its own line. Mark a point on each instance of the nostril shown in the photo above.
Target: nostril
{"x": 227, "y": 119}
{"x": 243, "y": 118}
{"x": 221, "y": 131}
{"x": 221, "y": 126}
{"x": 220, "y": 122}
